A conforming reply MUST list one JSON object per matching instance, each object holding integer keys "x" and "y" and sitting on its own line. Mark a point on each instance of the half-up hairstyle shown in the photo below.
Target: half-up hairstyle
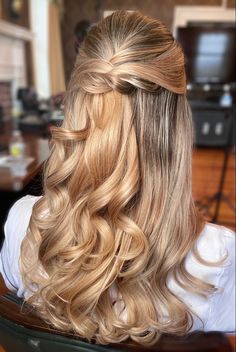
{"x": 117, "y": 218}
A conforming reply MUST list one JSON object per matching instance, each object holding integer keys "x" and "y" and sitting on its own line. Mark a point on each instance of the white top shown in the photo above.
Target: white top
{"x": 217, "y": 312}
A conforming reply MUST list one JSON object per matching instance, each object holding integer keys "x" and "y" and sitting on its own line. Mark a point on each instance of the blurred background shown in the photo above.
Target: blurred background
{"x": 38, "y": 44}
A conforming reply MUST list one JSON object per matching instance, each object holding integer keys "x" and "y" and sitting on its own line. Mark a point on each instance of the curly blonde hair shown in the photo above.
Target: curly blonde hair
{"x": 117, "y": 218}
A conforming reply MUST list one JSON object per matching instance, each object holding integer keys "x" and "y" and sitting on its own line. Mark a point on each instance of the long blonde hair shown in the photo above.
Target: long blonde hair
{"x": 117, "y": 218}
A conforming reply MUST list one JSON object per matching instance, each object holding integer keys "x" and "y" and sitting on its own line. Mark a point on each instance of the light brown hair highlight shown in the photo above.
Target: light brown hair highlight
{"x": 117, "y": 218}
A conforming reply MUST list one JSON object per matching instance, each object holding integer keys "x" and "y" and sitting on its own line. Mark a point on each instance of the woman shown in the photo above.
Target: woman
{"x": 115, "y": 247}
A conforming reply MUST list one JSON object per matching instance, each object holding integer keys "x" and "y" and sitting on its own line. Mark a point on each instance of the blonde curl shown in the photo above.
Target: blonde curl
{"x": 117, "y": 218}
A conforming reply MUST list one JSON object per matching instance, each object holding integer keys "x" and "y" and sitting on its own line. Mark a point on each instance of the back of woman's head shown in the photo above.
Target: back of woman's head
{"x": 117, "y": 219}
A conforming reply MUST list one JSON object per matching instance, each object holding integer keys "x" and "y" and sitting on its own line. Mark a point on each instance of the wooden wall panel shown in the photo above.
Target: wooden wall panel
{"x": 231, "y": 3}
{"x": 74, "y": 11}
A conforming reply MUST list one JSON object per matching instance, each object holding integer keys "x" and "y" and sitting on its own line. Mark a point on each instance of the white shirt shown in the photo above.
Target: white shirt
{"x": 217, "y": 312}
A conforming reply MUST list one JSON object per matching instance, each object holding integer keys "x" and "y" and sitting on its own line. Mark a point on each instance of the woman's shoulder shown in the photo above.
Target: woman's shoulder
{"x": 24, "y": 204}
{"x": 216, "y": 246}
{"x": 215, "y": 242}
{"x": 15, "y": 230}
{"x": 19, "y": 217}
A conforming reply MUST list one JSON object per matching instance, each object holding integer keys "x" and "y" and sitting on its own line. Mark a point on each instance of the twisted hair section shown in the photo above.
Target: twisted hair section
{"x": 101, "y": 76}
{"x": 117, "y": 218}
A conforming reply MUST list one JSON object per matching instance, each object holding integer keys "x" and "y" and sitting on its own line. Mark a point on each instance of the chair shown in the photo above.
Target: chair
{"x": 23, "y": 331}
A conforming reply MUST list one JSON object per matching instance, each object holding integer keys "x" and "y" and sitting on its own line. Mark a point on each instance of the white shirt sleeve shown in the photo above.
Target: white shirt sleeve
{"x": 222, "y": 304}
{"x": 15, "y": 230}
{"x": 215, "y": 312}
